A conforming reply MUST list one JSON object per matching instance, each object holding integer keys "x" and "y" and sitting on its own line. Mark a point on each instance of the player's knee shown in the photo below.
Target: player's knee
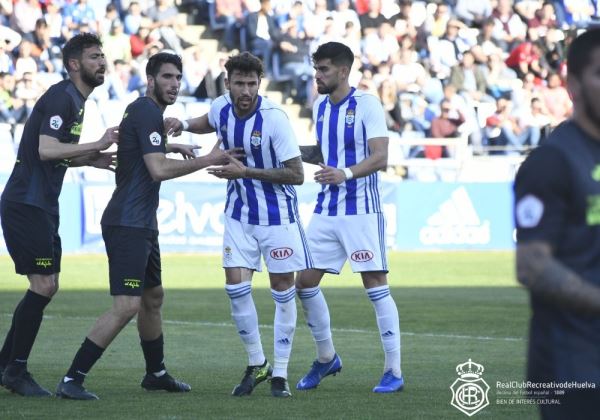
{"x": 126, "y": 307}
{"x": 308, "y": 278}
{"x": 43, "y": 285}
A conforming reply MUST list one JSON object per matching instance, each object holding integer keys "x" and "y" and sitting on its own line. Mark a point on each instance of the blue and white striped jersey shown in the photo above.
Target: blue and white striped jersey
{"x": 268, "y": 140}
{"x": 343, "y": 131}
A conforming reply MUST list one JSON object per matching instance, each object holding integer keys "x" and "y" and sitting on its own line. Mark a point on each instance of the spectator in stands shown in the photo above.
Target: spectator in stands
{"x": 372, "y": 20}
{"x": 503, "y": 130}
{"x": 164, "y": 21}
{"x": 471, "y": 126}
{"x": 231, "y": 13}
{"x": 500, "y": 79}
{"x": 447, "y": 51}
{"x": 527, "y": 57}
{"x": 117, "y": 45}
{"x": 556, "y": 99}
{"x": 435, "y": 25}
{"x": 536, "y": 116}
{"x": 213, "y": 84}
{"x": 46, "y": 53}
{"x": 580, "y": 12}
{"x": 133, "y": 19}
{"x": 388, "y": 94}
{"x": 105, "y": 22}
{"x": 29, "y": 90}
{"x": 25, "y": 63}
{"x": 195, "y": 67}
{"x": 54, "y": 19}
{"x": 264, "y": 34}
{"x": 509, "y": 29}
{"x": 468, "y": 79}
{"x": 343, "y": 14}
{"x": 80, "y": 13}
{"x": 12, "y": 109}
{"x": 544, "y": 19}
{"x": 446, "y": 125}
{"x": 485, "y": 38}
{"x": 473, "y": 12}
{"x": 402, "y": 22}
{"x": 295, "y": 61}
{"x": 379, "y": 45}
{"x": 409, "y": 74}
{"x": 25, "y": 14}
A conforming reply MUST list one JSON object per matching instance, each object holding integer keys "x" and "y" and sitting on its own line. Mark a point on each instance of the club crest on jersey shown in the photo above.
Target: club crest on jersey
{"x": 350, "y": 117}
{"x": 155, "y": 138}
{"x": 281, "y": 253}
{"x": 56, "y": 122}
{"x": 255, "y": 138}
{"x": 362, "y": 255}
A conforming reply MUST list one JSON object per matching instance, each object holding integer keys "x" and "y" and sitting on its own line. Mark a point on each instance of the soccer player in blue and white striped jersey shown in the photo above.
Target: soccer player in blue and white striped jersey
{"x": 261, "y": 213}
{"x": 348, "y": 222}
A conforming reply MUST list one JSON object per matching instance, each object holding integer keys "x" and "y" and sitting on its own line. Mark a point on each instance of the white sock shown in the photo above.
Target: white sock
{"x": 316, "y": 314}
{"x": 245, "y": 318}
{"x": 283, "y": 329}
{"x": 389, "y": 326}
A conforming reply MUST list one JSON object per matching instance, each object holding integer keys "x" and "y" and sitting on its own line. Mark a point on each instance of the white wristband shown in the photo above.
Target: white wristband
{"x": 348, "y": 173}
{"x": 185, "y": 125}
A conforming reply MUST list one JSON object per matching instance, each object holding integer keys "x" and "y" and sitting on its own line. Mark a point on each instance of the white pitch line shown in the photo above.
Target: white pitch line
{"x": 341, "y": 330}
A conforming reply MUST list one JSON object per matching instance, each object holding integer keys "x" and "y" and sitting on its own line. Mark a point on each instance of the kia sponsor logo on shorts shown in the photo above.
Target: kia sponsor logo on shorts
{"x": 362, "y": 255}
{"x": 281, "y": 253}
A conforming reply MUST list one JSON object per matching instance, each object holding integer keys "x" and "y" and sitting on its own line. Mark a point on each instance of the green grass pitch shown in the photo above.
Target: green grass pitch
{"x": 453, "y": 306}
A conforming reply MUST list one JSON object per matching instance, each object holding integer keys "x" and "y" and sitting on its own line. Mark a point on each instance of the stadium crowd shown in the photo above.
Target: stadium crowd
{"x": 492, "y": 70}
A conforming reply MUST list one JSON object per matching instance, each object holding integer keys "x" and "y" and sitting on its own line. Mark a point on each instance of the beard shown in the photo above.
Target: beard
{"x": 92, "y": 79}
{"x": 325, "y": 90}
{"x": 162, "y": 97}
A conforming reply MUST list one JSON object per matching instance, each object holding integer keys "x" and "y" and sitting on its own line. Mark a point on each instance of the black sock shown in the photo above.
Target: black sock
{"x": 154, "y": 354}
{"x": 86, "y": 356}
{"x": 27, "y": 321}
{"x": 8, "y": 341}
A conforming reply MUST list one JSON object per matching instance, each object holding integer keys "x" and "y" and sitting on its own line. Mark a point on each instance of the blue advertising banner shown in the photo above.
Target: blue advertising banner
{"x": 420, "y": 216}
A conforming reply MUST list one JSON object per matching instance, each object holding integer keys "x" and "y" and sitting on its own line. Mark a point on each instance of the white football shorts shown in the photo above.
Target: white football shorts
{"x": 358, "y": 238}
{"x": 283, "y": 247}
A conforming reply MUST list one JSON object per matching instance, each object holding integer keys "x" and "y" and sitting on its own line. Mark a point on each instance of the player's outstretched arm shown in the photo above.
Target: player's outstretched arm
{"x": 199, "y": 125}
{"x": 100, "y": 160}
{"x": 162, "y": 168}
{"x": 546, "y": 277}
{"x": 292, "y": 172}
{"x": 52, "y": 149}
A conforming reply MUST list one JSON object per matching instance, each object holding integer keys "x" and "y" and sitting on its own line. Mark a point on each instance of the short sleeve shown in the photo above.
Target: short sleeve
{"x": 56, "y": 117}
{"x": 149, "y": 129}
{"x": 374, "y": 118}
{"x": 284, "y": 140}
{"x": 541, "y": 193}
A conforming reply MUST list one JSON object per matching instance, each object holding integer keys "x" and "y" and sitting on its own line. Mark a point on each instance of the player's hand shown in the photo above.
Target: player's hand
{"x": 107, "y": 160}
{"x": 186, "y": 150}
{"x": 173, "y": 127}
{"x": 329, "y": 175}
{"x": 232, "y": 168}
{"x": 111, "y": 136}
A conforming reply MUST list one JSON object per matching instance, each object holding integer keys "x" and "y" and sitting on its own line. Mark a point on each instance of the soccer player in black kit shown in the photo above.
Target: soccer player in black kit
{"x": 29, "y": 204}
{"x": 557, "y": 214}
{"x": 130, "y": 231}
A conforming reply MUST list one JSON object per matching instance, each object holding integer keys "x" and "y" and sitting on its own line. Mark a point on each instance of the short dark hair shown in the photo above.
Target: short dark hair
{"x": 75, "y": 46}
{"x": 157, "y": 60}
{"x": 580, "y": 51}
{"x": 338, "y": 53}
{"x": 244, "y": 63}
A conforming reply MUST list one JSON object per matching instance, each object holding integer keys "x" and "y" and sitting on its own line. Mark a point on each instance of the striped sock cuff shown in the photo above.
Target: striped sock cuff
{"x": 378, "y": 293}
{"x": 308, "y": 293}
{"x": 285, "y": 296}
{"x": 235, "y": 291}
